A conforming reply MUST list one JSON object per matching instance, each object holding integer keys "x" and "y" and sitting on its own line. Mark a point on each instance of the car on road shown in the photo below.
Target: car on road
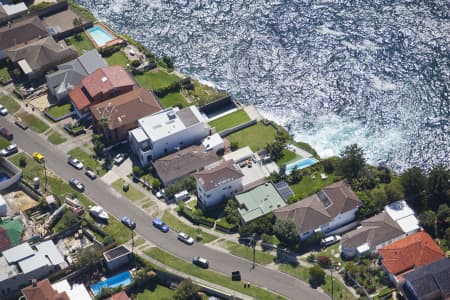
{"x": 158, "y": 223}
{"x": 119, "y": 158}
{"x": 330, "y": 240}
{"x": 128, "y": 222}
{"x": 185, "y": 238}
{"x": 11, "y": 149}
{"x": 3, "y": 110}
{"x": 90, "y": 173}
{"x": 75, "y": 183}
{"x": 38, "y": 157}
{"x": 200, "y": 261}
{"x": 6, "y": 133}
{"x": 75, "y": 163}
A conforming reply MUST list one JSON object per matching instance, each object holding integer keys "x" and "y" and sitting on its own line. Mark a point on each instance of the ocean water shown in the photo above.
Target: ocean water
{"x": 373, "y": 72}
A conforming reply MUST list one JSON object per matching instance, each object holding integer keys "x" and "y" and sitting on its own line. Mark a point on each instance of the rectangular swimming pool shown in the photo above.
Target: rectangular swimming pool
{"x": 3, "y": 177}
{"x": 301, "y": 164}
{"x": 120, "y": 279}
{"x": 100, "y": 35}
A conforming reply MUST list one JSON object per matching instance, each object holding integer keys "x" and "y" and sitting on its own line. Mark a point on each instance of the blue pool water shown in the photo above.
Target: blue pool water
{"x": 300, "y": 164}
{"x": 100, "y": 36}
{"x": 3, "y": 177}
{"x": 124, "y": 278}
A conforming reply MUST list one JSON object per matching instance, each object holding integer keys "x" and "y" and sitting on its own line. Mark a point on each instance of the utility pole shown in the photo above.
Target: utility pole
{"x": 45, "y": 177}
{"x": 332, "y": 289}
{"x": 253, "y": 241}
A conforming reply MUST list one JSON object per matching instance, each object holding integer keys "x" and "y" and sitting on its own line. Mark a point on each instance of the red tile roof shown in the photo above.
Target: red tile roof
{"x": 105, "y": 79}
{"x": 416, "y": 250}
{"x": 43, "y": 290}
{"x": 119, "y": 296}
{"x": 4, "y": 239}
{"x": 79, "y": 99}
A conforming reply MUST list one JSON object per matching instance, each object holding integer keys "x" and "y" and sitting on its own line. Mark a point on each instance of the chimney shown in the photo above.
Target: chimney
{"x": 33, "y": 282}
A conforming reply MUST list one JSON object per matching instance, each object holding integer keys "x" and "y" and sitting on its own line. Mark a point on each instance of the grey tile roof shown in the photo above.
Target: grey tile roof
{"x": 214, "y": 177}
{"x": 21, "y": 31}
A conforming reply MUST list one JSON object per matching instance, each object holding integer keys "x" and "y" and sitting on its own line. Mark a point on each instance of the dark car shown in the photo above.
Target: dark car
{"x": 158, "y": 223}
{"x": 200, "y": 261}
{"x": 76, "y": 184}
{"x": 128, "y": 222}
{"x": 6, "y": 133}
{"x": 90, "y": 173}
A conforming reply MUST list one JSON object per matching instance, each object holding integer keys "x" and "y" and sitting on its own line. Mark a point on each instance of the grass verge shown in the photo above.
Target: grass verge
{"x": 229, "y": 121}
{"x": 178, "y": 225}
{"x": 261, "y": 258}
{"x": 4, "y": 142}
{"x": 33, "y": 122}
{"x": 88, "y": 160}
{"x": 11, "y": 104}
{"x": 56, "y": 138}
{"x": 132, "y": 193}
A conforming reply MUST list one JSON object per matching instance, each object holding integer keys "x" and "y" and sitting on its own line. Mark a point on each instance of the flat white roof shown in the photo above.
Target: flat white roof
{"x": 12, "y": 9}
{"x": 408, "y": 224}
{"x": 212, "y": 141}
{"x": 363, "y": 248}
{"x": 18, "y": 253}
{"x": 398, "y": 210}
{"x": 139, "y": 135}
{"x": 74, "y": 292}
{"x": 49, "y": 249}
{"x": 46, "y": 254}
{"x": 32, "y": 263}
{"x": 25, "y": 66}
{"x": 239, "y": 154}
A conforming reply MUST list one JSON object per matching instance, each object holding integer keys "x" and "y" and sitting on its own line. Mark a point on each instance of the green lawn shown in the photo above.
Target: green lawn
{"x": 59, "y": 110}
{"x": 117, "y": 58}
{"x": 211, "y": 276}
{"x": 160, "y": 292}
{"x": 56, "y": 138}
{"x": 203, "y": 93}
{"x": 287, "y": 156}
{"x": 173, "y": 99}
{"x": 261, "y": 258}
{"x": 256, "y": 136}
{"x": 132, "y": 193}
{"x": 229, "y": 121}
{"x": 88, "y": 160}
{"x": 4, "y": 142}
{"x": 153, "y": 80}
{"x": 11, "y": 104}
{"x": 308, "y": 185}
{"x": 178, "y": 225}
{"x": 4, "y": 74}
{"x": 83, "y": 44}
{"x": 32, "y": 168}
{"x": 33, "y": 122}
{"x": 139, "y": 241}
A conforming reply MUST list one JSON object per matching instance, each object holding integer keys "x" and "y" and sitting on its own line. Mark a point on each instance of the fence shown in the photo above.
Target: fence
{"x": 57, "y": 119}
{"x": 229, "y": 131}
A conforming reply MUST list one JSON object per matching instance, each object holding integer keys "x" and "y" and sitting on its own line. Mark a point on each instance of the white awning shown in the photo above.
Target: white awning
{"x": 25, "y": 66}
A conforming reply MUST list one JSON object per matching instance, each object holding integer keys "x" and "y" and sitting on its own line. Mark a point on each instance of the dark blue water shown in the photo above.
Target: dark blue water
{"x": 334, "y": 72}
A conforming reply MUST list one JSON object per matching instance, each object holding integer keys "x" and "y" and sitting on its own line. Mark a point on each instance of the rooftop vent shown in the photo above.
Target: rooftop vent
{"x": 171, "y": 115}
{"x": 104, "y": 79}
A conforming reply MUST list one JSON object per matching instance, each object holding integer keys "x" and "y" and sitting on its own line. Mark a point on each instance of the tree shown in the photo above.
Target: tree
{"x": 428, "y": 222}
{"x": 69, "y": 218}
{"x": 353, "y": 162}
{"x": 88, "y": 256}
{"x": 438, "y": 185}
{"x": 156, "y": 184}
{"x": 168, "y": 61}
{"x": 22, "y": 162}
{"x": 137, "y": 171}
{"x": 186, "y": 290}
{"x": 316, "y": 276}
{"x": 442, "y": 219}
{"x": 295, "y": 176}
{"x": 286, "y": 232}
{"x": 234, "y": 146}
{"x": 231, "y": 212}
{"x": 447, "y": 237}
{"x": 77, "y": 22}
{"x": 413, "y": 182}
{"x": 393, "y": 192}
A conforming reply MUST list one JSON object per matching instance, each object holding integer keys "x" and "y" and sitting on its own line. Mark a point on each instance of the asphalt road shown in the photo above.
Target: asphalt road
{"x": 119, "y": 206}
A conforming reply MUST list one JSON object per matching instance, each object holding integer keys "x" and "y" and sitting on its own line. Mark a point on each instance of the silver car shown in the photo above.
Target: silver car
{"x": 75, "y": 163}
{"x": 185, "y": 238}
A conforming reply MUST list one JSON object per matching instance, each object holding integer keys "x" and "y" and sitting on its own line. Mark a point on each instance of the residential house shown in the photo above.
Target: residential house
{"x": 167, "y": 131}
{"x": 117, "y": 257}
{"x": 431, "y": 282}
{"x": 408, "y": 254}
{"x": 184, "y": 162}
{"x": 37, "y": 57}
{"x": 395, "y": 222}
{"x": 329, "y": 209}
{"x": 43, "y": 290}
{"x": 116, "y": 116}
{"x": 20, "y": 264}
{"x": 70, "y": 74}
{"x": 258, "y": 202}
{"x": 102, "y": 84}
{"x": 122, "y": 295}
{"x": 9, "y": 11}
{"x": 19, "y": 32}
{"x": 218, "y": 182}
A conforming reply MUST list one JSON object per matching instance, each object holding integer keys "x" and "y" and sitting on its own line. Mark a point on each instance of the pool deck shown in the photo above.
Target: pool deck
{"x": 115, "y": 41}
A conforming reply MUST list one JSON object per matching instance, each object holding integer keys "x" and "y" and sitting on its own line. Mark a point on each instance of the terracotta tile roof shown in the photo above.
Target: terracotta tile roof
{"x": 4, "y": 240}
{"x": 43, "y": 291}
{"x": 126, "y": 108}
{"x": 79, "y": 98}
{"x": 119, "y": 296}
{"x": 105, "y": 79}
{"x": 212, "y": 178}
{"x": 416, "y": 250}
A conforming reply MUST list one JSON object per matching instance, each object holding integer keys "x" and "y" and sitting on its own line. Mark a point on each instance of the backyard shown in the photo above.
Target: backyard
{"x": 256, "y": 137}
{"x": 88, "y": 160}
{"x": 11, "y": 104}
{"x": 203, "y": 93}
{"x": 173, "y": 99}
{"x": 117, "y": 58}
{"x": 81, "y": 42}
{"x": 33, "y": 122}
{"x": 158, "y": 79}
{"x": 231, "y": 120}
{"x": 178, "y": 225}
{"x": 159, "y": 292}
{"x": 312, "y": 183}
{"x": 286, "y": 157}
{"x": 58, "y": 111}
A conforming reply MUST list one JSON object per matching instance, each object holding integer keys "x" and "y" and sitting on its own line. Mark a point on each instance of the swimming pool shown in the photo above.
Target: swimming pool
{"x": 123, "y": 278}
{"x": 301, "y": 164}
{"x": 100, "y": 35}
{"x": 3, "y": 177}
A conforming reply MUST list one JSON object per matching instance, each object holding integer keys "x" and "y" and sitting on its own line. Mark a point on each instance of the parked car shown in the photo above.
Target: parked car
{"x": 128, "y": 222}
{"x": 200, "y": 261}
{"x": 11, "y": 149}
{"x": 160, "y": 194}
{"x": 185, "y": 238}
{"x": 3, "y": 110}
{"x": 158, "y": 223}
{"x": 76, "y": 184}
{"x": 119, "y": 158}
{"x": 38, "y": 157}
{"x": 330, "y": 240}
{"x": 21, "y": 124}
{"x": 90, "y": 173}
{"x": 75, "y": 163}
{"x": 183, "y": 195}
{"x": 6, "y": 133}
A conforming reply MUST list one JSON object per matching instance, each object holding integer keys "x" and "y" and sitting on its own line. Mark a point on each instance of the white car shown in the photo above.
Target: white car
{"x": 119, "y": 158}
{"x": 75, "y": 163}
{"x": 185, "y": 238}
{"x": 11, "y": 149}
{"x": 161, "y": 194}
{"x": 3, "y": 110}
{"x": 330, "y": 240}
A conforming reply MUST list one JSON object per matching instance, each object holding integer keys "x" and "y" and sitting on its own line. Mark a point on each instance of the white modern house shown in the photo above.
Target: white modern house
{"x": 167, "y": 131}
{"x": 218, "y": 182}
{"x": 329, "y": 209}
